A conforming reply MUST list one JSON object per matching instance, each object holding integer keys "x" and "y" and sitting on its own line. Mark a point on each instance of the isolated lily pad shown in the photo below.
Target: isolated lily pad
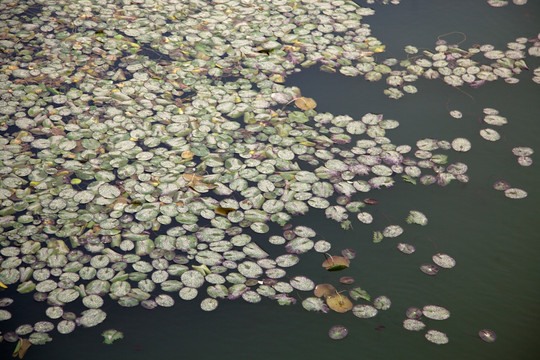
{"x": 337, "y": 332}
{"x": 487, "y": 335}
{"x": 436, "y": 337}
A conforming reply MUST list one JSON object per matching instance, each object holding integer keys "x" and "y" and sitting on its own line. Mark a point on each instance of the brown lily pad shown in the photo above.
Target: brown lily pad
{"x": 305, "y": 103}
{"x": 336, "y": 263}
{"x": 324, "y": 290}
{"x": 339, "y": 303}
{"x": 21, "y": 348}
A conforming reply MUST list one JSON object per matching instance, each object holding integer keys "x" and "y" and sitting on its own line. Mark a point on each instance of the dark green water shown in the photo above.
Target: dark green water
{"x": 494, "y": 240}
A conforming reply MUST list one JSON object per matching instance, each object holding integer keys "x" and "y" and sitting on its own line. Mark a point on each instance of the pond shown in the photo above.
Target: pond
{"x": 127, "y": 150}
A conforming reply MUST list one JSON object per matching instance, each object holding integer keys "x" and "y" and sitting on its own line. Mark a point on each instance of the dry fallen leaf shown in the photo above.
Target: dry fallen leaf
{"x": 305, "y": 103}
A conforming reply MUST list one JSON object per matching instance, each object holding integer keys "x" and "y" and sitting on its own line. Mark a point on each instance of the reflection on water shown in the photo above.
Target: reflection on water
{"x": 492, "y": 238}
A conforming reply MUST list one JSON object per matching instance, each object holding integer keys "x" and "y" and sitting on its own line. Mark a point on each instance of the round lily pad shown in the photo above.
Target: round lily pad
{"x": 337, "y": 332}
{"x": 515, "y": 193}
{"x": 364, "y": 311}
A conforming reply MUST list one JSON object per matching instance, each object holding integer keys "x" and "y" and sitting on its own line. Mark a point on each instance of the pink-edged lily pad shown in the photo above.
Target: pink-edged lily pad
{"x": 337, "y": 332}
{"x": 487, "y": 335}
{"x": 501, "y": 185}
{"x": 413, "y": 313}
{"x": 347, "y": 280}
{"x": 429, "y": 269}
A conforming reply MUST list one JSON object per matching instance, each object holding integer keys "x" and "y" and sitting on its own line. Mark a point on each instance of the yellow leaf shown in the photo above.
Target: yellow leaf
{"x": 379, "y": 49}
{"x": 305, "y": 103}
{"x": 339, "y": 303}
{"x": 223, "y": 211}
{"x": 2, "y": 285}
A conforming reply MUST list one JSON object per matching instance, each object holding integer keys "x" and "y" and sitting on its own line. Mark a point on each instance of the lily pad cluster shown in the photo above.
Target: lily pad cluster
{"x": 148, "y": 149}
{"x": 452, "y": 64}
{"x": 415, "y": 322}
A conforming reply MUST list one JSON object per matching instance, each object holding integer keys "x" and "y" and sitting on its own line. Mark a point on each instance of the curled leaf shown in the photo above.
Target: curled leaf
{"x": 336, "y": 263}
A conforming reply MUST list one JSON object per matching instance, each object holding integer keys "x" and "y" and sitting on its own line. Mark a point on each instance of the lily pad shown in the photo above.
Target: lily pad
{"x": 436, "y": 337}
{"x": 305, "y": 103}
{"x": 444, "y": 260}
{"x": 435, "y": 312}
{"x": 416, "y": 217}
{"x": 336, "y": 263}
{"x": 487, "y": 335}
{"x": 413, "y": 324}
{"x": 364, "y": 311}
{"x": 406, "y": 248}
{"x": 339, "y": 303}
{"x": 337, "y": 332}
{"x": 429, "y": 269}
{"x": 515, "y": 193}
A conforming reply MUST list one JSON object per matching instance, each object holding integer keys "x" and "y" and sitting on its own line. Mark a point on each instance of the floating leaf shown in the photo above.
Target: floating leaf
{"x": 435, "y": 312}
{"x": 336, "y": 263}
{"x": 324, "y": 290}
{"x": 490, "y": 134}
{"x": 357, "y": 293}
{"x": 305, "y": 103}
{"x": 111, "y": 335}
{"x": 364, "y": 311}
{"x": 496, "y": 120}
{"x": 522, "y": 151}
{"x": 337, "y": 332}
{"x": 487, "y": 335}
{"x": 314, "y": 304}
{"x": 416, "y": 217}
{"x": 339, "y": 303}
{"x": 414, "y": 313}
{"x": 413, "y": 324}
{"x": 406, "y": 248}
{"x": 382, "y": 302}
{"x": 348, "y": 253}
{"x": 461, "y": 144}
{"x": 456, "y": 114}
{"x": 392, "y": 231}
{"x": 21, "y": 348}
{"x": 515, "y": 193}
{"x": 444, "y": 260}
{"x": 302, "y": 283}
{"x": 429, "y": 269}
{"x": 347, "y": 280}
{"x": 92, "y": 317}
{"x": 377, "y": 236}
{"x": 501, "y": 185}
{"x": 436, "y": 337}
